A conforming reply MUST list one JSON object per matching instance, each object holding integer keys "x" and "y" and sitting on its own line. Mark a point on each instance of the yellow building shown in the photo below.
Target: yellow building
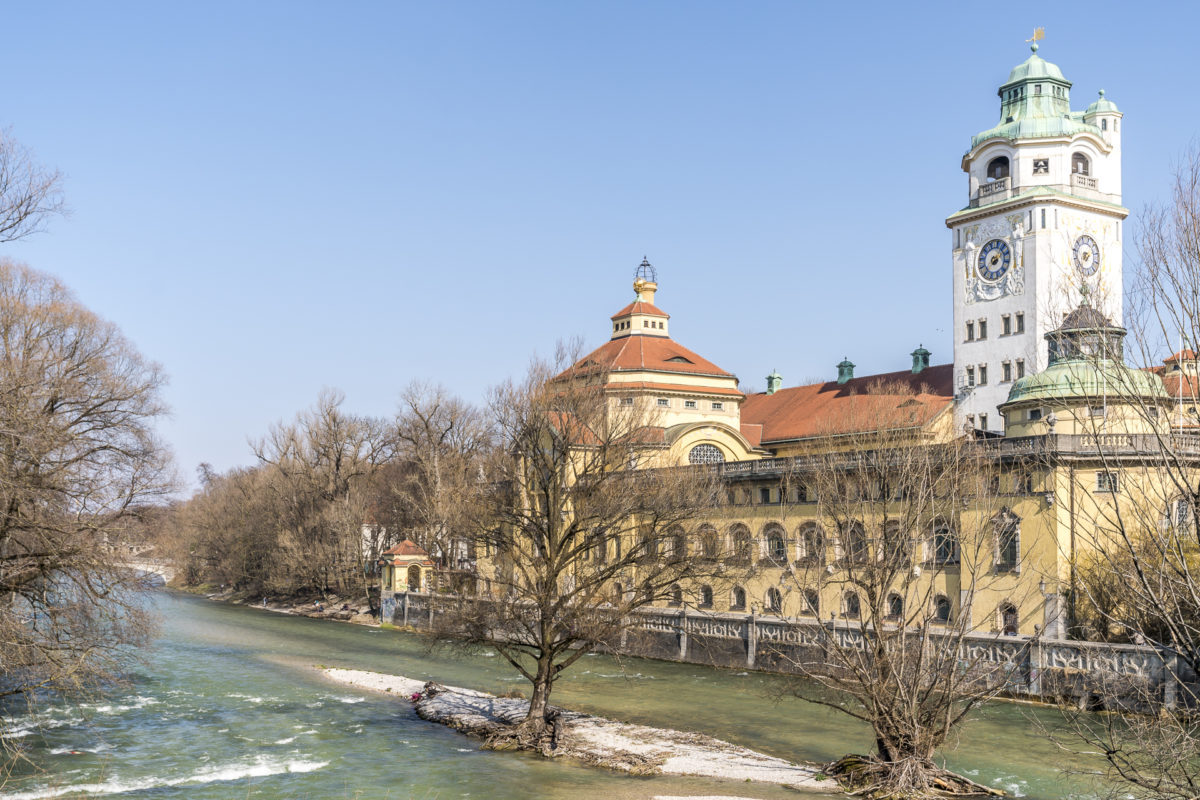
{"x": 1074, "y": 434}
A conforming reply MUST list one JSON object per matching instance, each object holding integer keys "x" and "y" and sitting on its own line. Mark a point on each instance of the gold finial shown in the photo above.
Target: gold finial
{"x": 1038, "y": 35}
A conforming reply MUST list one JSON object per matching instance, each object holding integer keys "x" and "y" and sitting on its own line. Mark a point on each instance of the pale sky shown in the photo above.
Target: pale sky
{"x": 270, "y": 198}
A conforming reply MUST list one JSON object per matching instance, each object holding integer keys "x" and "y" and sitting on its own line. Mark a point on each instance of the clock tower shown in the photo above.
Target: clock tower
{"x": 1043, "y": 224}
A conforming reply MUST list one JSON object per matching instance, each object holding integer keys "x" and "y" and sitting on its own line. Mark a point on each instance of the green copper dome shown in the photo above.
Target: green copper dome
{"x": 1103, "y": 104}
{"x": 1034, "y": 67}
{"x": 1035, "y": 103}
{"x": 1085, "y": 362}
{"x": 1080, "y": 378}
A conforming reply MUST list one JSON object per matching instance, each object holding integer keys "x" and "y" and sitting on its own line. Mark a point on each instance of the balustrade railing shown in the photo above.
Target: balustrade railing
{"x": 1034, "y": 666}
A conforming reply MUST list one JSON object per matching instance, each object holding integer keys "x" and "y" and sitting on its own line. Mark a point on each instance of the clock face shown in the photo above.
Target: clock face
{"x": 1087, "y": 255}
{"x": 994, "y": 259}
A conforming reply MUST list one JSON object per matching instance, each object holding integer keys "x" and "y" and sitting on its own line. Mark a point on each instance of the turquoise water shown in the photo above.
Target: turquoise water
{"x": 231, "y": 707}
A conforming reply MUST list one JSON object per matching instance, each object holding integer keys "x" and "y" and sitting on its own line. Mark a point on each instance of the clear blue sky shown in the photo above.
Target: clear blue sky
{"x": 269, "y": 198}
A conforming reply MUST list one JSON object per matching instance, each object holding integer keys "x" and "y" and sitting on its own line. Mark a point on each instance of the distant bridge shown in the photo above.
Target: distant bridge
{"x": 152, "y": 566}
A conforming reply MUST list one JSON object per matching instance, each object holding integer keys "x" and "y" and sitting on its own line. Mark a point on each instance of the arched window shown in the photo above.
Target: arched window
{"x": 737, "y": 599}
{"x": 851, "y": 607}
{"x": 709, "y": 542}
{"x": 895, "y": 606}
{"x": 675, "y": 545}
{"x": 743, "y": 543}
{"x": 774, "y": 600}
{"x": 1103, "y": 124}
{"x": 854, "y": 543}
{"x": 414, "y": 578}
{"x": 676, "y": 596}
{"x": 895, "y": 551}
{"x": 706, "y": 597}
{"x": 776, "y": 544}
{"x": 1007, "y": 526}
{"x": 941, "y": 609}
{"x": 812, "y": 602}
{"x": 649, "y": 547}
{"x": 997, "y": 168}
{"x": 706, "y": 454}
{"x": 944, "y": 544}
{"x": 618, "y": 593}
{"x": 812, "y": 543}
{"x": 1080, "y": 164}
{"x": 1179, "y": 514}
{"x": 1009, "y": 619}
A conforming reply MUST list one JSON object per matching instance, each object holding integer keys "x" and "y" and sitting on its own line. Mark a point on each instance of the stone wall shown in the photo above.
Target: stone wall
{"x": 1092, "y": 674}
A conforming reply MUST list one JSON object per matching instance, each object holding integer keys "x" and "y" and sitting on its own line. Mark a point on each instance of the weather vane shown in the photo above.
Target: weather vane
{"x": 1038, "y": 35}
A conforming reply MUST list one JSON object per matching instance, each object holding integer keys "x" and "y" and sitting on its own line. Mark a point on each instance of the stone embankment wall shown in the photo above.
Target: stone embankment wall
{"x": 1093, "y": 674}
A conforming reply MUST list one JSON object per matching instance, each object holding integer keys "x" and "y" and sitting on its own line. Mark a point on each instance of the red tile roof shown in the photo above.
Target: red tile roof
{"x": 752, "y": 433}
{"x": 658, "y": 353}
{"x": 638, "y": 307}
{"x": 406, "y": 548}
{"x": 674, "y": 387}
{"x": 1182, "y": 355}
{"x": 825, "y": 409}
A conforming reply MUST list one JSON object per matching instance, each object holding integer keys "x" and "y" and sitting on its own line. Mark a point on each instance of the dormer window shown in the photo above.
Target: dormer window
{"x": 1080, "y": 164}
{"x": 997, "y": 168}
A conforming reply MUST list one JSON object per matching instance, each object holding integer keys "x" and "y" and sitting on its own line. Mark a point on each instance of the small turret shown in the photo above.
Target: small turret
{"x": 774, "y": 382}
{"x": 845, "y": 371}
{"x": 920, "y": 358}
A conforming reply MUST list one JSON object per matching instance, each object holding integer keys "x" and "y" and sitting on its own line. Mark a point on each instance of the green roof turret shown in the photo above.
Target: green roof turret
{"x": 1035, "y": 102}
{"x": 1086, "y": 361}
{"x": 845, "y": 370}
{"x": 1101, "y": 105}
{"x": 920, "y": 358}
{"x": 774, "y": 382}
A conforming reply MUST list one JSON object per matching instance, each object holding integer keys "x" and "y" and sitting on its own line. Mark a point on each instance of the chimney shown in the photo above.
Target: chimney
{"x": 845, "y": 371}
{"x": 774, "y": 382}
{"x": 920, "y": 358}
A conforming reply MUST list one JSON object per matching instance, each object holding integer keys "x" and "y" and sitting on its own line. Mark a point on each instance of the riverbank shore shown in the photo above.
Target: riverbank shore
{"x": 636, "y": 749}
{"x": 329, "y": 607}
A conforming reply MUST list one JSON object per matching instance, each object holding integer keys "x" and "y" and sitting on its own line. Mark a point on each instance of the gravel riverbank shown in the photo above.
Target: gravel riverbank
{"x": 594, "y": 740}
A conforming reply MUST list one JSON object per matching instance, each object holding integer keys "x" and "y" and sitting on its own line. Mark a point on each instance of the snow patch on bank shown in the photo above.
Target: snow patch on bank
{"x": 597, "y": 739}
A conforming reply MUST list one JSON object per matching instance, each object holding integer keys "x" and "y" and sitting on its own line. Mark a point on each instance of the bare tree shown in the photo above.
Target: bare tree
{"x": 319, "y": 467}
{"x": 576, "y": 530}
{"x": 78, "y": 459}
{"x": 29, "y": 194}
{"x": 441, "y": 446}
{"x": 1138, "y": 577}
{"x": 912, "y": 534}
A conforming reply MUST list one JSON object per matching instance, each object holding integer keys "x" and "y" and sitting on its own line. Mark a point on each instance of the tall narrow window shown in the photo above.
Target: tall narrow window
{"x": 1043, "y": 218}
{"x": 983, "y": 422}
{"x": 1020, "y": 368}
{"x": 941, "y": 609}
{"x": 1005, "y": 324}
{"x": 1008, "y": 541}
{"x": 970, "y": 331}
{"x": 983, "y": 374}
{"x": 983, "y": 329}
{"x": 970, "y": 376}
{"x": 774, "y": 600}
{"x": 1020, "y": 322}
{"x": 1006, "y": 371}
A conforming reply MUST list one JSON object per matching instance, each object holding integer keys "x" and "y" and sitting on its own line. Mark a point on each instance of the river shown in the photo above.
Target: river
{"x": 230, "y": 706}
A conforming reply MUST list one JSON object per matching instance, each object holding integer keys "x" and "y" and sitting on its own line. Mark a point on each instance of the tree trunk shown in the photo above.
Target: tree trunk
{"x": 539, "y": 702}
